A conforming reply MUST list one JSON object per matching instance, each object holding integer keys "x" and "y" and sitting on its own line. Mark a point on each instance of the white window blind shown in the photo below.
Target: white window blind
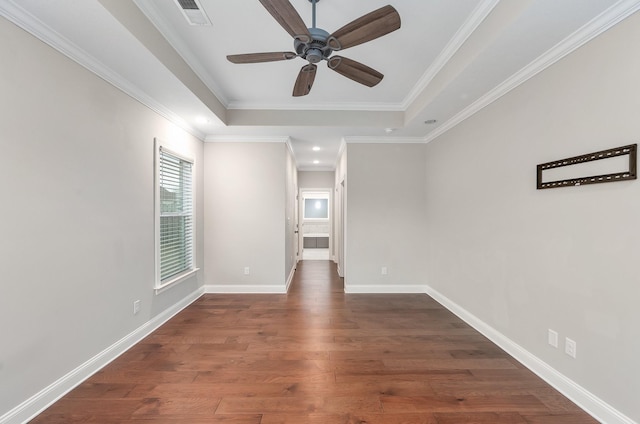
{"x": 176, "y": 215}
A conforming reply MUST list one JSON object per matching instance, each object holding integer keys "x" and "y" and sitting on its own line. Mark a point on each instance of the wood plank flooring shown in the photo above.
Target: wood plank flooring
{"x": 315, "y": 355}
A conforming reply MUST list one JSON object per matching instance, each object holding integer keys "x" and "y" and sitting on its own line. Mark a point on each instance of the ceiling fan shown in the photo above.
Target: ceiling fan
{"x": 315, "y": 44}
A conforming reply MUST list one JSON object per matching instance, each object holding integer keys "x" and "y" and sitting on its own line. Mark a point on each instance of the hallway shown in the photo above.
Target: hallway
{"x": 315, "y": 355}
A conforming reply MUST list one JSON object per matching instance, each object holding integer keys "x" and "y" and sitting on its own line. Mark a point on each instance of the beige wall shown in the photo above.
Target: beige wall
{"x": 77, "y": 245}
{"x": 245, "y": 218}
{"x": 385, "y": 217}
{"x": 316, "y": 179}
{"x": 524, "y": 260}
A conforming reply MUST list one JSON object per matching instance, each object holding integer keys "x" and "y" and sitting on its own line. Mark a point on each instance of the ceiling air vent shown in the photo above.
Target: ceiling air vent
{"x": 193, "y": 12}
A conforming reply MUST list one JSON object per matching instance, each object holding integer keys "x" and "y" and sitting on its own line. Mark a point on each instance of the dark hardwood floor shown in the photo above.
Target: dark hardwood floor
{"x": 315, "y": 355}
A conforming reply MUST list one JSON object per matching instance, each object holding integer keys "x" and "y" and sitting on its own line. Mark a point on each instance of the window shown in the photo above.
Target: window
{"x": 174, "y": 218}
{"x": 315, "y": 205}
{"x": 315, "y": 208}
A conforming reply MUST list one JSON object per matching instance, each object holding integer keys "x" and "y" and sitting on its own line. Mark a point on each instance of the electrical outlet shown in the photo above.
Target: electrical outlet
{"x": 570, "y": 347}
{"x": 247, "y": 271}
{"x": 384, "y": 270}
{"x": 553, "y": 338}
{"x": 136, "y": 307}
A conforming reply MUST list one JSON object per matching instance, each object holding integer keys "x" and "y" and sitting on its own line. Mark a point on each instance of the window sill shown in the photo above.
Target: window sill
{"x": 175, "y": 280}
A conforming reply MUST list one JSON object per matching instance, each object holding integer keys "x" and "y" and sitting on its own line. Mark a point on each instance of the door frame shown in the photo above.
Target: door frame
{"x": 329, "y": 192}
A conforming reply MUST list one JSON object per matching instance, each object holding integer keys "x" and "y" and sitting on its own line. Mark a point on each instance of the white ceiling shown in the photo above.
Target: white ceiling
{"x": 449, "y": 59}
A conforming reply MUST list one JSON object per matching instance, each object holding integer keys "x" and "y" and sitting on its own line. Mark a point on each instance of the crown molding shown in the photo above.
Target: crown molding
{"x": 151, "y": 12}
{"x": 316, "y": 168}
{"x": 618, "y": 12}
{"x": 383, "y": 140}
{"x": 607, "y": 19}
{"x": 293, "y": 158}
{"x": 38, "y": 29}
{"x": 360, "y": 107}
{"x": 247, "y": 139}
{"x": 464, "y": 32}
{"x": 343, "y": 146}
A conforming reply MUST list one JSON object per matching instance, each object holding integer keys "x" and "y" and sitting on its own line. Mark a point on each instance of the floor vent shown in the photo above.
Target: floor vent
{"x": 193, "y": 12}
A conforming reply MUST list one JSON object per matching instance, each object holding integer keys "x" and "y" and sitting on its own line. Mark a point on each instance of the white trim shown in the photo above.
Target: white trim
{"x": 343, "y": 106}
{"x": 316, "y": 168}
{"x": 293, "y": 154}
{"x": 592, "y": 29}
{"x": 586, "y": 400}
{"x": 460, "y": 37}
{"x": 231, "y": 288}
{"x": 179, "y": 279}
{"x": 383, "y": 140}
{"x": 290, "y": 278}
{"x": 343, "y": 146}
{"x": 383, "y": 288}
{"x": 38, "y": 29}
{"x": 246, "y": 139}
{"x": 50, "y": 394}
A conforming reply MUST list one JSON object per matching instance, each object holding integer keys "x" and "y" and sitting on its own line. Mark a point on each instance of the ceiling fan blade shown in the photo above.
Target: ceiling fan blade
{"x": 366, "y": 28}
{"x": 261, "y": 57}
{"x": 305, "y": 80}
{"x": 355, "y": 70}
{"x": 287, "y": 16}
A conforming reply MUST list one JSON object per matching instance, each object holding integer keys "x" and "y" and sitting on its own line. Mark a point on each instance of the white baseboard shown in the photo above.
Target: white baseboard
{"x": 595, "y": 406}
{"x": 245, "y": 288}
{"x": 290, "y": 279}
{"x": 50, "y": 394}
{"x": 383, "y": 288}
{"x": 586, "y": 400}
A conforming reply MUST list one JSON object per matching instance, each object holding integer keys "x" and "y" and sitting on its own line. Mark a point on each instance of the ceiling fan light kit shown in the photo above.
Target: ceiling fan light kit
{"x": 315, "y": 44}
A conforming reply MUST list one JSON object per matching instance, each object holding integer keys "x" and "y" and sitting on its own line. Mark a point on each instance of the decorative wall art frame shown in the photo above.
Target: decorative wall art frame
{"x": 622, "y": 175}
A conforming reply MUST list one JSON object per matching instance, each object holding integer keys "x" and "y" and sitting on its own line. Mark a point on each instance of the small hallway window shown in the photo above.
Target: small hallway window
{"x": 316, "y": 208}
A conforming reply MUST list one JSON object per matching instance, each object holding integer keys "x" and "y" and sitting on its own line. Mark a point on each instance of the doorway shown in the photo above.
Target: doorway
{"x": 316, "y": 224}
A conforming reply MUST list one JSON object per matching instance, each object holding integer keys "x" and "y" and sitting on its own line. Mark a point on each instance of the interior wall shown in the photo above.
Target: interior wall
{"x": 316, "y": 179}
{"x": 524, "y": 260}
{"x": 385, "y": 220}
{"x": 77, "y": 245}
{"x": 245, "y": 216}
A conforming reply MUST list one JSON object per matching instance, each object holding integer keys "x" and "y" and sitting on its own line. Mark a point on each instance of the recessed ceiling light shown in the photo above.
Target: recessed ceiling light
{"x": 430, "y": 121}
{"x": 316, "y": 149}
{"x": 389, "y": 130}
{"x": 315, "y": 162}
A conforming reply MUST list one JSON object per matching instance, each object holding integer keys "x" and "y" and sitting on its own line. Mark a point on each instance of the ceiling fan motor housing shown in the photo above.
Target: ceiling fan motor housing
{"x": 315, "y": 50}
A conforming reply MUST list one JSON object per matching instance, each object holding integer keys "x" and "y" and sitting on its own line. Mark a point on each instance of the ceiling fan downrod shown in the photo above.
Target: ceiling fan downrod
{"x": 315, "y": 50}
{"x": 313, "y": 13}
